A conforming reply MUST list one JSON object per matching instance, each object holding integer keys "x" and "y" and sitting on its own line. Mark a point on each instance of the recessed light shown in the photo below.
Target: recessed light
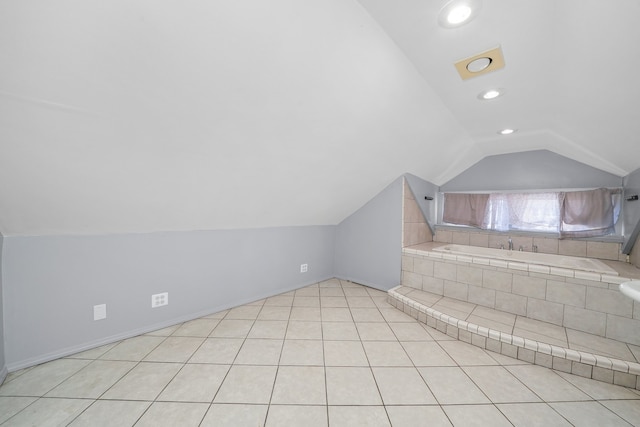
{"x": 507, "y": 131}
{"x": 479, "y": 64}
{"x": 490, "y": 94}
{"x": 458, "y": 12}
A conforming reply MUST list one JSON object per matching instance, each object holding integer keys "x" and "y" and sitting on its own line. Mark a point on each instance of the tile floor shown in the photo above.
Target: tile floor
{"x": 335, "y": 353}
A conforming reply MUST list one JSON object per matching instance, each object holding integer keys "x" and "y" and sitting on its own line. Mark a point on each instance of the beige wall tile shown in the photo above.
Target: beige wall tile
{"x": 589, "y": 321}
{"x": 432, "y": 284}
{"x": 456, "y": 290}
{"x": 511, "y": 303}
{"x": 407, "y": 263}
{"x": 546, "y": 245}
{"x": 623, "y": 329}
{"x": 496, "y": 240}
{"x": 412, "y": 280}
{"x": 566, "y": 293}
{"x": 469, "y": 275}
{"x": 546, "y": 311}
{"x": 609, "y": 301}
{"x": 443, "y": 270}
{"x": 572, "y": 248}
{"x": 523, "y": 241}
{"x": 479, "y": 239}
{"x": 423, "y": 266}
{"x": 603, "y": 250}
{"x": 482, "y": 296}
{"x": 443, "y": 236}
{"x": 529, "y": 286}
{"x": 497, "y": 280}
{"x": 460, "y": 237}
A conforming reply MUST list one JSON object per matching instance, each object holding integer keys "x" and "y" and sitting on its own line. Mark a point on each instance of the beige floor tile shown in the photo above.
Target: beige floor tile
{"x": 93, "y": 380}
{"x": 333, "y": 302}
{"x": 195, "y": 383}
{"x": 588, "y": 414}
{"x": 495, "y": 315}
{"x": 336, "y": 314}
{"x": 598, "y": 345}
{"x": 9, "y": 406}
{"x": 232, "y": 328}
{"x": 133, "y": 349}
{"x": 49, "y": 412}
{"x": 309, "y": 291}
{"x": 244, "y": 312}
{"x": 392, "y": 314}
{"x": 426, "y": 298}
{"x": 629, "y": 410}
{"x": 386, "y": 353}
{"x": 217, "y": 350}
{"x": 532, "y": 414}
{"x": 409, "y": 331}
{"x": 476, "y": 415}
{"x": 402, "y": 386}
{"x": 300, "y": 301}
{"x": 360, "y": 302}
{"x": 489, "y": 323}
{"x": 340, "y": 331}
{"x": 259, "y": 352}
{"x": 331, "y": 292}
{"x": 235, "y": 415}
{"x": 309, "y": 314}
{"x": 427, "y": 353}
{"x": 175, "y": 349}
{"x": 299, "y": 385}
{"x": 144, "y": 382}
{"x": 274, "y": 313}
{"x": 217, "y": 315}
{"x": 43, "y": 378}
{"x": 599, "y": 389}
{"x": 330, "y": 283}
{"x": 171, "y": 414}
{"x": 247, "y": 384}
{"x": 451, "y": 386}
{"x": 111, "y": 413}
{"x": 466, "y": 354}
{"x": 351, "y": 386}
{"x": 275, "y": 329}
{"x": 300, "y": 330}
{"x": 417, "y": 416}
{"x": 539, "y": 337}
{"x": 358, "y": 416}
{"x": 302, "y": 353}
{"x": 463, "y": 306}
{"x": 355, "y": 291}
{"x": 499, "y": 385}
{"x": 547, "y": 384}
{"x": 344, "y": 353}
{"x": 367, "y": 315}
{"x": 371, "y": 331}
{"x": 296, "y": 416}
{"x": 196, "y": 328}
{"x": 542, "y": 328}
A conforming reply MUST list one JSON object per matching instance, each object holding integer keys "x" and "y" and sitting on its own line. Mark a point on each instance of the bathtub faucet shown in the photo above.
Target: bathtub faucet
{"x": 535, "y": 248}
{"x": 510, "y": 244}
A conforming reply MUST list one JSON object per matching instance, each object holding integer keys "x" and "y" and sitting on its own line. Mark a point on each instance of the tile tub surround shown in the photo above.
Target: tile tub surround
{"x": 486, "y": 330}
{"x": 583, "y": 301}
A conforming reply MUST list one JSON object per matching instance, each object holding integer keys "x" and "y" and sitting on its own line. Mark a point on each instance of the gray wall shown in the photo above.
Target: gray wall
{"x": 631, "y": 211}
{"x": 52, "y": 283}
{"x": 539, "y": 169}
{"x": 369, "y": 242}
{"x": 3, "y": 366}
{"x": 420, "y": 189}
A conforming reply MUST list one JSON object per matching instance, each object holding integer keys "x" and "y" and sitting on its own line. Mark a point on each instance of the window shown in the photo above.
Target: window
{"x": 571, "y": 214}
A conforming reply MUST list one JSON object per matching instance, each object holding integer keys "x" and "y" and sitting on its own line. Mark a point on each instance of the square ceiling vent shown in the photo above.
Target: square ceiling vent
{"x": 480, "y": 64}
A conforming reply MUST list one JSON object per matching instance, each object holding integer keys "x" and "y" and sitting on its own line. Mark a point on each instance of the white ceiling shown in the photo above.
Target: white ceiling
{"x": 148, "y": 115}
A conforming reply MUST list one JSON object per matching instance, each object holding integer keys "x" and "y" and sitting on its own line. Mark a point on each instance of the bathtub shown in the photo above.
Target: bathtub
{"x": 561, "y": 261}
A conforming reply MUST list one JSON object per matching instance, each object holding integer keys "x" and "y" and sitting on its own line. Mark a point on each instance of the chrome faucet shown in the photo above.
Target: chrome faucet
{"x": 535, "y": 248}
{"x": 510, "y": 244}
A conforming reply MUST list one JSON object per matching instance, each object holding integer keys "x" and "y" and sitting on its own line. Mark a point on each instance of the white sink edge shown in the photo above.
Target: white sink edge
{"x": 631, "y": 289}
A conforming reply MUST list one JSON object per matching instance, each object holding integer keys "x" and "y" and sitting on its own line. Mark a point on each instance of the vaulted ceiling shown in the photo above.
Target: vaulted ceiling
{"x": 148, "y": 115}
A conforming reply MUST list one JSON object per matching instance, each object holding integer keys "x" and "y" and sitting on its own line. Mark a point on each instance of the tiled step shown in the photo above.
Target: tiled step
{"x": 585, "y": 364}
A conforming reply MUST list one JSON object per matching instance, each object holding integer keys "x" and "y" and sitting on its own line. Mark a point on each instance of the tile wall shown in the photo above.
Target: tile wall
{"x": 414, "y": 227}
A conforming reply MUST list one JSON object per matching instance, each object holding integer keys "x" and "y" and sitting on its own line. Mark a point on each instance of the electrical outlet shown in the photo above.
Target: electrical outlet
{"x": 304, "y": 268}
{"x": 158, "y": 300}
{"x": 100, "y": 312}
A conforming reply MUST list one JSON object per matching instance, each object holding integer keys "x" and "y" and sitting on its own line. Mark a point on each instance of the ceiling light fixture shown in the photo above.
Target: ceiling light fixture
{"x": 481, "y": 63}
{"x": 478, "y": 64}
{"x": 507, "y": 131}
{"x": 458, "y": 12}
{"x": 490, "y": 94}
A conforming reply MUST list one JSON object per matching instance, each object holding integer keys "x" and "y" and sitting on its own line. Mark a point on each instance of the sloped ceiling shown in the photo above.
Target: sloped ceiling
{"x": 148, "y": 115}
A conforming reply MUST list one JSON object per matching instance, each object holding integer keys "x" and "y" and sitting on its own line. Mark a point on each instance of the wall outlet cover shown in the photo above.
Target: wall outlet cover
{"x": 304, "y": 268}
{"x": 158, "y": 300}
{"x": 100, "y": 312}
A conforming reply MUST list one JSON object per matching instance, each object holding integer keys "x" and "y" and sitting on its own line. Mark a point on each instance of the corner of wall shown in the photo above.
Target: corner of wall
{"x": 415, "y": 229}
{"x": 3, "y": 364}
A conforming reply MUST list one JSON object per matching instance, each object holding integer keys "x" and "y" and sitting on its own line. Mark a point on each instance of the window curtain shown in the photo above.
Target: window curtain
{"x": 522, "y": 211}
{"x": 586, "y": 213}
{"x": 465, "y": 209}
